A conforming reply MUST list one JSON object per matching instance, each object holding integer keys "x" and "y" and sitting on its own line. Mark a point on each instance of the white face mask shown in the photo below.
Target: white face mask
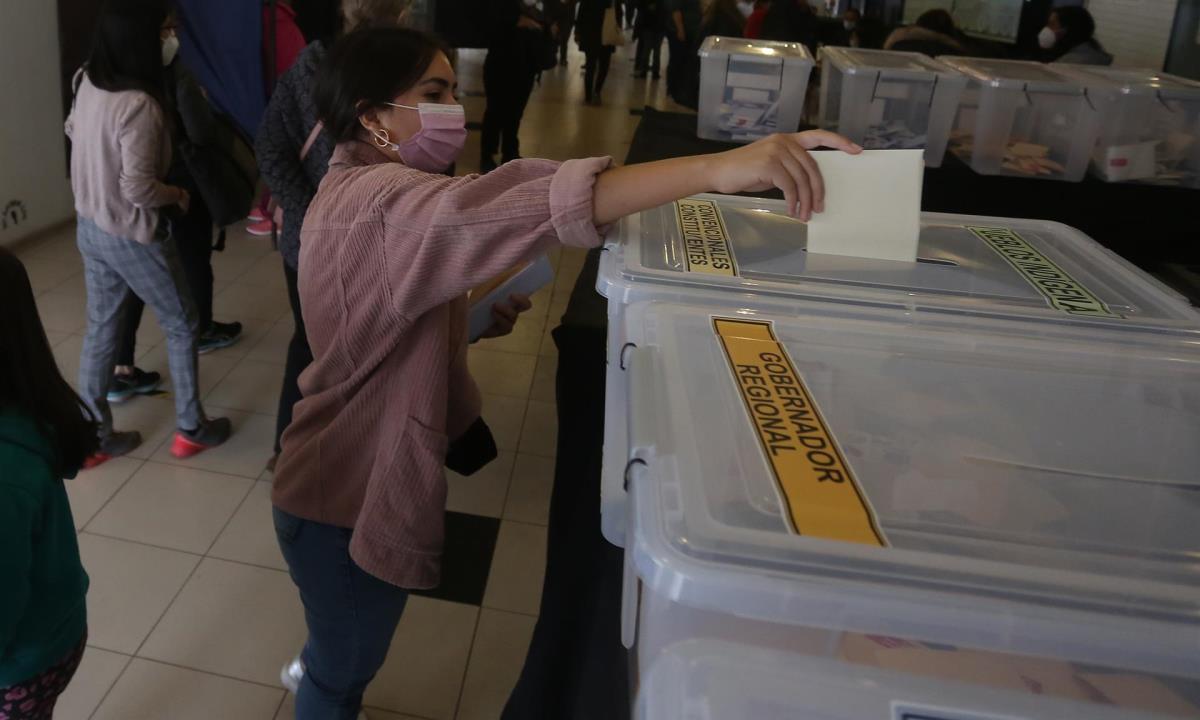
{"x": 746, "y": 8}
{"x": 170, "y": 47}
{"x": 1047, "y": 38}
{"x": 848, "y": 24}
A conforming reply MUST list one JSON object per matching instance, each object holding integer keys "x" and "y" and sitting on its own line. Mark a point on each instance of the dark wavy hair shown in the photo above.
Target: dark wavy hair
{"x": 30, "y": 383}
{"x": 366, "y": 69}
{"x": 126, "y": 47}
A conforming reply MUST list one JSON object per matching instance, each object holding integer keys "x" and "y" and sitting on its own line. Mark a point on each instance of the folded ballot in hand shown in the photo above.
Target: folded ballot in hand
{"x": 524, "y": 279}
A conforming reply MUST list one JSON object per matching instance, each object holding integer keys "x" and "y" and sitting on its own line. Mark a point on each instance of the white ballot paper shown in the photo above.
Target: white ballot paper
{"x": 524, "y": 281}
{"x": 872, "y": 204}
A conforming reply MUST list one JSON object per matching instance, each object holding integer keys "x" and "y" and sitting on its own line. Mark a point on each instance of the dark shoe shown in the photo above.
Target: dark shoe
{"x": 115, "y": 445}
{"x": 218, "y": 335}
{"x": 640, "y": 75}
{"x": 655, "y": 75}
{"x": 211, "y": 433}
{"x": 487, "y": 164}
{"x": 138, "y": 382}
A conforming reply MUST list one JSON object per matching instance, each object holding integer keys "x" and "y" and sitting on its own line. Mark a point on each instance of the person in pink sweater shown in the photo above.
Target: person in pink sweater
{"x": 389, "y": 248}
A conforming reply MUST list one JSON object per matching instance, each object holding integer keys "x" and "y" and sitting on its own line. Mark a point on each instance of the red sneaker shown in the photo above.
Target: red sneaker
{"x": 115, "y": 445}
{"x": 256, "y": 216}
{"x": 210, "y": 434}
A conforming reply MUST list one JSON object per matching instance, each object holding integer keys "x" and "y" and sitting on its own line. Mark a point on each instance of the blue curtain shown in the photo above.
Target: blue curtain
{"x": 222, "y": 43}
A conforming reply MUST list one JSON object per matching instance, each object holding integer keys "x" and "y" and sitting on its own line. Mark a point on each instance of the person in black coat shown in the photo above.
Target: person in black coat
{"x": 791, "y": 21}
{"x": 512, "y": 65}
{"x": 649, "y": 32}
{"x": 589, "y": 33}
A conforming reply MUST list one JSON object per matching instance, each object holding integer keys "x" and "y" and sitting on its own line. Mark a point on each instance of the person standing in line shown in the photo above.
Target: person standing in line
{"x": 649, "y": 32}
{"x": 566, "y": 23}
{"x": 1070, "y": 37}
{"x": 293, "y": 154}
{"x": 753, "y": 29}
{"x": 683, "y": 19}
{"x": 289, "y": 43}
{"x": 193, "y": 232}
{"x": 724, "y": 18}
{"x": 390, "y": 248}
{"x": 46, "y": 435}
{"x": 121, "y": 153}
{"x": 589, "y": 33}
{"x": 509, "y": 72}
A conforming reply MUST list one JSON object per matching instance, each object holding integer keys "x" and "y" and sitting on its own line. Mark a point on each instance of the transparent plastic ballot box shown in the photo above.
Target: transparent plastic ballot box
{"x": 1006, "y": 508}
{"x": 751, "y": 88}
{"x": 992, "y": 269}
{"x": 1024, "y": 119}
{"x": 1149, "y": 125}
{"x": 886, "y": 100}
{"x": 715, "y": 680}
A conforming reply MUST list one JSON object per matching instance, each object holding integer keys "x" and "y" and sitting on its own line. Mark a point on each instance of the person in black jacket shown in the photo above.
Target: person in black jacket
{"x": 791, "y": 21}
{"x": 509, "y": 71}
{"x": 649, "y": 32}
{"x": 192, "y": 122}
{"x": 589, "y": 33}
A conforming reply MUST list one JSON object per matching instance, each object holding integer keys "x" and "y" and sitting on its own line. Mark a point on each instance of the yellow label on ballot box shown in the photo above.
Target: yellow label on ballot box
{"x": 822, "y": 497}
{"x": 1062, "y": 291}
{"x": 705, "y": 241}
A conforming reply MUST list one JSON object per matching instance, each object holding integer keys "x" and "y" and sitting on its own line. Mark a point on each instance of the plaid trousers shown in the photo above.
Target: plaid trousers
{"x": 115, "y": 268}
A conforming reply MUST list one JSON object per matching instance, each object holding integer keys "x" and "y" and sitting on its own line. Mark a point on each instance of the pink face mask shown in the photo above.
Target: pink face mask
{"x": 438, "y": 143}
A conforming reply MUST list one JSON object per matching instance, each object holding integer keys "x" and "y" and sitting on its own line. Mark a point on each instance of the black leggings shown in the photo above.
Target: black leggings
{"x": 193, "y": 238}
{"x": 596, "y": 70}
{"x": 299, "y": 356}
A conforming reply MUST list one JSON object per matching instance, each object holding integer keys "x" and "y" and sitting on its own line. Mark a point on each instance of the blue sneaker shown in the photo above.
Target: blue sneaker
{"x": 138, "y": 382}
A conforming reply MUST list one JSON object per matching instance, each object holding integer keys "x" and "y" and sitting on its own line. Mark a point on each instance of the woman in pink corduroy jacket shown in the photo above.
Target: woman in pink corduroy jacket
{"x": 389, "y": 248}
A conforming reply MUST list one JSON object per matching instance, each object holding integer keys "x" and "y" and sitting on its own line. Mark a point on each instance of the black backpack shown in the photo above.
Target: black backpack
{"x": 224, "y": 170}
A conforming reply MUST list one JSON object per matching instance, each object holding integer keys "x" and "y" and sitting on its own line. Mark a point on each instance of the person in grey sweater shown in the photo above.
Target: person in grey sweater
{"x": 293, "y": 155}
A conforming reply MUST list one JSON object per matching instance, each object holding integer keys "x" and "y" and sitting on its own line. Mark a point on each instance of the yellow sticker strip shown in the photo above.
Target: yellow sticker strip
{"x": 822, "y": 496}
{"x": 1062, "y": 291}
{"x": 705, "y": 241}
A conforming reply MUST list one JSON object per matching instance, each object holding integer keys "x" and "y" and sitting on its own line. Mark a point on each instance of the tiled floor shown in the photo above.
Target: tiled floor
{"x": 191, "y": 610}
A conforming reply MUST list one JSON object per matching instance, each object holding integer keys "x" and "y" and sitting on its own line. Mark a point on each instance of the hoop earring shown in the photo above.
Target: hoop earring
{"x": 382, "y": 142}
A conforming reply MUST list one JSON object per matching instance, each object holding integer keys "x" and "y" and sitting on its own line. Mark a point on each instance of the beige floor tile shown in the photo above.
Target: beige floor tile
{"x": 46, "y": 273}
{"x": 243, "y": 300}
{"x": 502, "y": 373}
{"x": 231, "y": 266}
{"x": 245, "y": 453}
{"x": 525, "y": 338}
{"x": 428, "y": 658}
{"x": 131, "y": 587}
{"x": 96, "y": 674}
{"x": 54, "y": 337}
{"x": 518, "y": 567}
{"x": 547, "y": 346}
{"x": 504, "y": 416}
{"x": 266, "y": 271}
{"x": 539, "y": 435}
{"x": 74, "y": 285}
{"x": 250, "y": 535}
{"x": 232, "y": 619}
{"x": 287, "y": 711}
{"x": 272, "y": 347}
{"x": 482, "y": 493}
{"x": 66, "y": 354}
{"x": 92, "y": 488}
{"x": 544, "y": 377}
{"x": 529, "y": 490}
{"x": 153, "y": 417}
{"x": 251, "y": 385}
{"x": 173, "y": 507}
{"x": 154, "y": 691}
{"x": 149, "y": 333}
{"x": 496, "y": 661}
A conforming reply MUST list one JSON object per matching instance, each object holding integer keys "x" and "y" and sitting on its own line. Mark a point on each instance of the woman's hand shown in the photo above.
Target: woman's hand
{"x": 780, "y": 161}
{"x": 504, "y": 315}
{"x": 185, "y": 200}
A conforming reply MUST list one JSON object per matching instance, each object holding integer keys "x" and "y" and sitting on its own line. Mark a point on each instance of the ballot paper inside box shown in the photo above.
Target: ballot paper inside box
{"x": 1149, "y": 125}
{"x": 750, "y": 89}
{"x": 887, "y": 100}
{"x": 1023, "y": 119}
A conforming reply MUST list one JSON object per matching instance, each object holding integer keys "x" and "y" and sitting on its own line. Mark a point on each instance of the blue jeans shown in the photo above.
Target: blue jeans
{"x": 351, "y": 617}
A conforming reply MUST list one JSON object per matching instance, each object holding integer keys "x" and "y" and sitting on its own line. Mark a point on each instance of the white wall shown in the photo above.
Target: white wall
{"x": 1137, "y": 32}
{"x": 32, "y": 156}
